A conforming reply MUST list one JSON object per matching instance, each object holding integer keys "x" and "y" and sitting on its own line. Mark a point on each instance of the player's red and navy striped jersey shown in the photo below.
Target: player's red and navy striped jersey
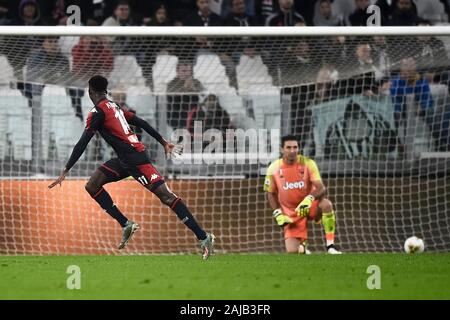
{"x": 111, "y": 122}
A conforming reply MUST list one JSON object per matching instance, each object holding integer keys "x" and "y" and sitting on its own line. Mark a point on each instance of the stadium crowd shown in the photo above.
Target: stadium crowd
{"x": 223, "y": 13}
{"x": 312, "y": 71}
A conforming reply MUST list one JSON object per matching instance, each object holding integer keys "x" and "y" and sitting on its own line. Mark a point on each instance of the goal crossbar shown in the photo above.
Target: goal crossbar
{"x": 222, "y": 31}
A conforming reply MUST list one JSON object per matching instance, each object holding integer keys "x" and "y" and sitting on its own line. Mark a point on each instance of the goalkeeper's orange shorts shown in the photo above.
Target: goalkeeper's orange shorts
{"x": 299, "y": 228}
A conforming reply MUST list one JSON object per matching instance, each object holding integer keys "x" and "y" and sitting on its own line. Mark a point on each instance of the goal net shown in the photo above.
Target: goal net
{"x": 371, "y": 108}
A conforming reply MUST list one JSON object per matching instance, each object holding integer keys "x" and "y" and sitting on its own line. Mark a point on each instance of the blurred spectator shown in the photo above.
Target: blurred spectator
{"x": 124, "y": 45}
{"x": 404, "y": 14}
{"x": 324, "y": 15}
{"x": 386, "y": 10}
{"x": 380, "y": 54}
{"x": 410, "y": 82}
{"x": 250, "y": 8}
{"x": 286, "y": 17}
{"x": 180, "y": 9}
{"x": 160, "y": 18}
{"x": 212, "y": 116}
{"x": 119, "y": 96}
{"x": 203, "y": 17}
{"x": 365, "y": 76}
{"x": 29, "y": 14}
{"x": 359, "y": 17}
{"x": 6, "y": 14}
{"x": 92, "y": 55}
{"x": 306, "y": 9}
{"x": 432, "y": 10}
{"x": 335, "y": 51}
{"x": 55, "y": 11}
{"x": 47, "y": 65}
{"x": 183, "y": 95}
{"x": 324, "y": 87}
{"x": 299, "y": 62}
{"x": 59, "y": 15}
{"x": 151, "y": 47}
{"x": 121, "y": 16}
{"x": 429, "y": 51}
{"x": 100, "y": 10}
{"x": 266, "y": 8}
{"x": 203, "y": 45}
{"x": 365, "y": 60}
{"x": 238, "y": 16}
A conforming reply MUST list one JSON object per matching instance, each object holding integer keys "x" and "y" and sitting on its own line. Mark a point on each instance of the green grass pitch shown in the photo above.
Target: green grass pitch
{"x": 227, "y": 276}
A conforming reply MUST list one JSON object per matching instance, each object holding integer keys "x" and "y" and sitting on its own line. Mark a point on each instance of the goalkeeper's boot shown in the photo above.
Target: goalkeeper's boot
{"x": 127, "y": 232}
{"x": 332, "y": 250}
{"x": 303, "y": 249}
{"x": 207, "y": 245}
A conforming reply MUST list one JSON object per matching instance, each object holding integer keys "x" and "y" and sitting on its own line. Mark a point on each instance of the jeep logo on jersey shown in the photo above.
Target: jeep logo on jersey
{"x": 294, "y": 185}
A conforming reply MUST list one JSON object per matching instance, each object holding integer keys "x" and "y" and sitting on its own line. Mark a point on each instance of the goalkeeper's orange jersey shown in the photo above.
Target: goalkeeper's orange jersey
{"x": 291, "y": 183}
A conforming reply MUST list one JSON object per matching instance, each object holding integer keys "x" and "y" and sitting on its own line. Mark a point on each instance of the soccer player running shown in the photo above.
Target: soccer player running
{"x": 296, "y": 193}
{"x": 112, "y": 123}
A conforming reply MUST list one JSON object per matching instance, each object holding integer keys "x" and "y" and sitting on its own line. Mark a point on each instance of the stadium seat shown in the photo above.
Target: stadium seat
{"x": 422, "y": 137}
{"x": 439, "y": 92}
{"x": 15, "y": 124}
{"x": 127, "y": 72}
{"x": 253, "y": 75}
{"x": 163, "y": 71}
{"x": 209, "y": 70}
{"x": 261, "y": 96}
{"x": 56, "y": 101}
{"x": 66, "y": 45}
{"x": 86, "y": 105}
{"x": 7, "y": 74}
{"x": 59, "y": 122}
{"x": 141, "y": 100}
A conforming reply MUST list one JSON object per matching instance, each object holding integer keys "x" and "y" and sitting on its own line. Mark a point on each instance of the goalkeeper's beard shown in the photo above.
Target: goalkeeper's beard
{"x": 290, "y": 158}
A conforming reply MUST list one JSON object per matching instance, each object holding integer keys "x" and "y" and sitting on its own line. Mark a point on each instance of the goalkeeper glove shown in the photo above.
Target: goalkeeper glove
{"x": 282, "y": 219}
{"x": 304, "y": 206}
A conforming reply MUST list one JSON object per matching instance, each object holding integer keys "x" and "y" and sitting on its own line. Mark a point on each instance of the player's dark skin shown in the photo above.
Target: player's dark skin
{"x": 98, "y": 179}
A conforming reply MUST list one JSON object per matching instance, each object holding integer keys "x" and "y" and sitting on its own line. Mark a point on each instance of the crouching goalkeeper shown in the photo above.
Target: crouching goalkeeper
{"x": 296, "y": 194}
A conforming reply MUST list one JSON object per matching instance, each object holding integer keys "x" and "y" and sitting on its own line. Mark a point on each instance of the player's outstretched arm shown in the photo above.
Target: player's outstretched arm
{"x": 136, "y": 121}
{"x": 169, "y": 147}
{"x": 76, "y": 154}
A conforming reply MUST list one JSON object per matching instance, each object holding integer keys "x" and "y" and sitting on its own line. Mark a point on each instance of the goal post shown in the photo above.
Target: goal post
{"x": 369, "y": 104}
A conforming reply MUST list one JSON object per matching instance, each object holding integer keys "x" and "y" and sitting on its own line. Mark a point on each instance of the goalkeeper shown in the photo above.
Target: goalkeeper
{"x": 296, "y": 194}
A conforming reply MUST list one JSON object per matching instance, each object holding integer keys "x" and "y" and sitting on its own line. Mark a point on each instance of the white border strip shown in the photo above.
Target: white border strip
{"x": 222, "y": 31}
{"x": 435, "y": 155}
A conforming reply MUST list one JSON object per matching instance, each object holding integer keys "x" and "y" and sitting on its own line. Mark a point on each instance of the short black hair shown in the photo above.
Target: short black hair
{"x": 289, "y": 137}
{"x": 98, "y": 83}
{"x": 423, "y": 21}
{"x": 121, "y": 3}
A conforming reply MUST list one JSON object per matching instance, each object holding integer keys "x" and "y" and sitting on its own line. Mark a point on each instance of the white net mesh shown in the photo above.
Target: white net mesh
{"x": 372, "y": 111}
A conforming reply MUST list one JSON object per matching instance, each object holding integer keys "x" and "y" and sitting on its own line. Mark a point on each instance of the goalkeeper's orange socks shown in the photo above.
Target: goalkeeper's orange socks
{"x": 187, "y": 218}
{"x": 329, "y": 224}
{"x": 104, "y": 200}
